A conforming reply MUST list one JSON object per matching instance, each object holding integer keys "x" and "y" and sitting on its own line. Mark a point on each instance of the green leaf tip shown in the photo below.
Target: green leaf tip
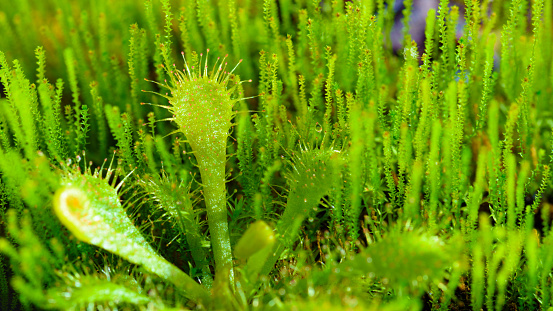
{"x": 258, "y": 236}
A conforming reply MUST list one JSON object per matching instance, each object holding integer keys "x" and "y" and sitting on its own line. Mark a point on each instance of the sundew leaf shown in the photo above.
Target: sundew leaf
{"x": 408, "y": 259}
{"x": 312, "y": 176}
{"x": 201, "y": 103}
{"x": 71, "y": 298}
{"x": 174, "y": 198}
{"x": 103, "y": 291}
{"x": 333, "y": 302}
{"x": 89, "y": 207}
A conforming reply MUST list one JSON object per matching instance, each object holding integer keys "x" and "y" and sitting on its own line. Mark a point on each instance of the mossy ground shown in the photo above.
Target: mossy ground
{"x": 401, "y": 156}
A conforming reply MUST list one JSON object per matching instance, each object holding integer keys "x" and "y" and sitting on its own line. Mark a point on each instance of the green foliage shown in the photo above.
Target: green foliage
{"x": 357, "y": 170}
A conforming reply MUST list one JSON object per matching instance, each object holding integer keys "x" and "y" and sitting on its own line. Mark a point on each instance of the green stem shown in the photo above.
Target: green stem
{"x": 288, "y": 227}
{"x": 161, "y": 267}
{"x": 212, "y": 170}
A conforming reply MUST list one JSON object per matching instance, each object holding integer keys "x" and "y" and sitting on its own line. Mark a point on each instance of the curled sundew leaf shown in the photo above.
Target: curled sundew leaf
{"x": 90, "y": 208}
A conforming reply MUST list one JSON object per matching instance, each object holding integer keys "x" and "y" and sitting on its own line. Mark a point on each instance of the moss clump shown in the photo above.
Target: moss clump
{"x": 387, "y": 155}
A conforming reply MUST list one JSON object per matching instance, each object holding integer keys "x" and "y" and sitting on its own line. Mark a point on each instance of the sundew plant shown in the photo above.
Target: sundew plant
{"x": 279, "y": 155}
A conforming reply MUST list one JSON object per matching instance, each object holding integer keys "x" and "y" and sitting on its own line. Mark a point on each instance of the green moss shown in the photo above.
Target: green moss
{"x": 357, "y": 138}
